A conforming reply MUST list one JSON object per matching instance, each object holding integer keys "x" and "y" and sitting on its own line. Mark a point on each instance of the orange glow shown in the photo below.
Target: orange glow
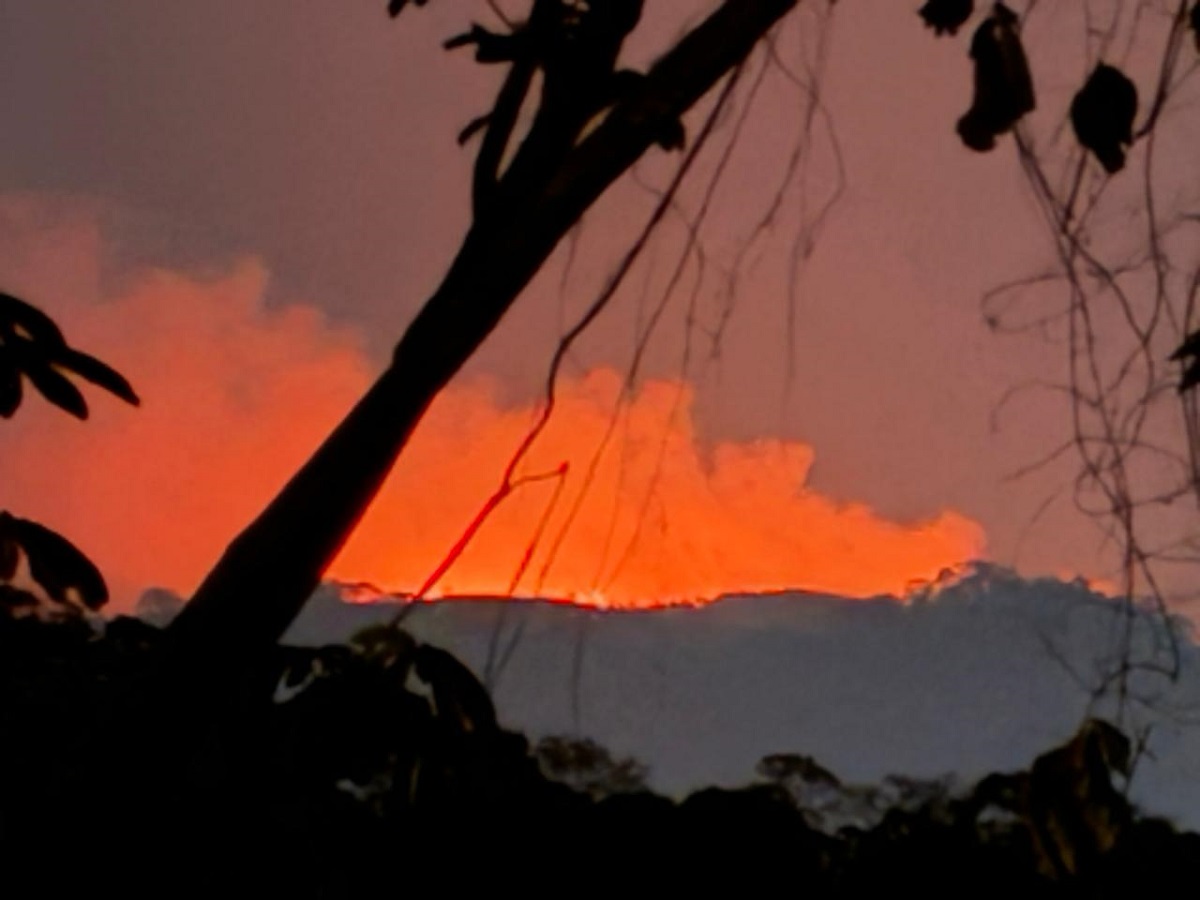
{"x": 236, "y": 396}
{"x": 737, "y": 519}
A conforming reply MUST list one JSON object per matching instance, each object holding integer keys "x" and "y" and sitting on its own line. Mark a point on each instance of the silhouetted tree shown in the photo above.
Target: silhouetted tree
{"x": 557, "y": 172}
{"x": 562, "y": 165}
{"x": 588, "y": 767}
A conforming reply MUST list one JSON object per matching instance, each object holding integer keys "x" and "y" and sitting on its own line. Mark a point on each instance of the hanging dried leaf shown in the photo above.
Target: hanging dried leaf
{"x": 1102, "y": 115}
{"x": 1191, "y": 373}
{"x": 395, "y": 7}
{"x": 1191, "y": 376}
{"x": 947, "y": 16}
{"x": 1003, "y": 87}
{"x": 1190, "y": 347}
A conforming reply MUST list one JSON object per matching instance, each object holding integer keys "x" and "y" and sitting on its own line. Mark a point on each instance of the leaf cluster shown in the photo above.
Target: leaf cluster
{"x": 31, "y": 345}
{"x": 56, "y": 564}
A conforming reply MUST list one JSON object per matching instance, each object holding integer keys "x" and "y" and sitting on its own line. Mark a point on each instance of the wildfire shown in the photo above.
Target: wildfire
{"x": 611, "y": 512}
{"x": 640, "y": 515}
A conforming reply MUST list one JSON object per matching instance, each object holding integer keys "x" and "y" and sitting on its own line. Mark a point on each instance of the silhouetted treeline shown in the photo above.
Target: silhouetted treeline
{"x": 370, "y": 768}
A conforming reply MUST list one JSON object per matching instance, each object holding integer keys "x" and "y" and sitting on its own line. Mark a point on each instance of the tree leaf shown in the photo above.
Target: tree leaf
{"x": 395, "y": 7}
{"x": 9, "y": 550}
{"x": 59, "y": 566}
{"x": 1190, "y": 347}
{"x": 97, "y": 373}
{"x": 12, "y": 598}
{"x": 1003, "y": 87}
{"x": 1191, "y": 376}
{"x": 56, "y": 388}
{"x": 1102, "y": 115}
{"x": 947, "y": 16}
{"x": 10, "y": 385}
{"x": 9, "y": 555}
{"x": 39, "y": 326}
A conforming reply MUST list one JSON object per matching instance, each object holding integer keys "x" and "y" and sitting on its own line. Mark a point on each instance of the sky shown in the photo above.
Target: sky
{"x": 241, "y": 205}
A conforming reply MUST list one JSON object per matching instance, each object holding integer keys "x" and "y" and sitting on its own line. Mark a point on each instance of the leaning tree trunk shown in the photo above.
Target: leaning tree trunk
{"x": 265, "y": 576}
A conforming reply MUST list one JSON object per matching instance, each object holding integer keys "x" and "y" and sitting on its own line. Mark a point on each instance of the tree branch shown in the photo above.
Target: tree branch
{"x": 265, "y": 576}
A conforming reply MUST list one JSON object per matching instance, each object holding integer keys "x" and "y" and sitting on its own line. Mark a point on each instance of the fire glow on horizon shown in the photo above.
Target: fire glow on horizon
{"x": 660, "y": 522}
{"x": 235, "y": 396}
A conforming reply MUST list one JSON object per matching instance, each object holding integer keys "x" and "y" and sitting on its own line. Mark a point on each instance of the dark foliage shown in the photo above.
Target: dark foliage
{"x": 343, "y": 771}
{"x": 395, "y": 7}
{"x": 31, "y": 345}
{"x": 349, "y": 771}
{"x": 1189, "y": 354}
{"x": 1003, "y": 88}
{"x": 575, "y": 48}
{"x": 1102, "y": 115}
{"x": 947, "y": 16}
{"x": 589, "y": 768}
{"x": 67, "y": 576}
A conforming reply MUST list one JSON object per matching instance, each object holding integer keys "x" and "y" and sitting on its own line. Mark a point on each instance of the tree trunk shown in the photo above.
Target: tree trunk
{"x": 265, "y": 576}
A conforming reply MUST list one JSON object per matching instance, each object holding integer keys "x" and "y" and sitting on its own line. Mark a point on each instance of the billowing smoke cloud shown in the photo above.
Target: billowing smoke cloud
{"x": 653, "y": 517}
{"x": 236, "y": 394}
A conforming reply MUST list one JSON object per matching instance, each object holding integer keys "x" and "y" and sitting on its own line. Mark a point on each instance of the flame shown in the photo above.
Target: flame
{"x": 235, "y": 396}
{"x": 658, "y": 521}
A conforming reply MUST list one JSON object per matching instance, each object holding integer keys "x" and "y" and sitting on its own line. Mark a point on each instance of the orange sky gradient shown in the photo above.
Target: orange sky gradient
{"x": 162, "y": 135}
{"x": 235, "y": 395}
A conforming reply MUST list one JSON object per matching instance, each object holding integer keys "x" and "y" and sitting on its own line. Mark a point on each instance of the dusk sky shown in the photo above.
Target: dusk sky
{"x": 241, "y": 205}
